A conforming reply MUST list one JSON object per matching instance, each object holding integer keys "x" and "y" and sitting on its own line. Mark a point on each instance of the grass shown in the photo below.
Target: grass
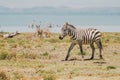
{"x": 111, "y": 37}
{"x": 17, "y": 75}
{"x": 45, "y": 54}
{"x": 27, "y": 57}
{"x": 47, "y": 75}
{"x": 6, "y": 55}
{"x": 84, "y": 53}
{"x": 111, "y": 67}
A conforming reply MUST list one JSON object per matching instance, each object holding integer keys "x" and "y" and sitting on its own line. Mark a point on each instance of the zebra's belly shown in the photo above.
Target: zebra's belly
{"x": 75, "y": 41}
{"x": 81, "y": 41}
{"x": 86, "y": 41}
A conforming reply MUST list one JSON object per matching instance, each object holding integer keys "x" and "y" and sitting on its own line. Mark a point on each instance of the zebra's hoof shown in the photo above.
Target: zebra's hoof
{"x": 91, "y": 58}
{"x": 101, "y": 57}
{"x": 66, "y": 59}
{"x": 63, "y": 60}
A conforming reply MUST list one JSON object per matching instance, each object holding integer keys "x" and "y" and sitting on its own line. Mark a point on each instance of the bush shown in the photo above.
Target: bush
{"x": 30, "y": 55}
{"x": 3, "y": 55}
{"x": 49, "y": 77}
{"x": 14, "y": 45}
{"x": 3, "y": 76}
{"x": 17, "y": 76}
{"x": 7, "y": 55}
{"x": 11, "y": 56}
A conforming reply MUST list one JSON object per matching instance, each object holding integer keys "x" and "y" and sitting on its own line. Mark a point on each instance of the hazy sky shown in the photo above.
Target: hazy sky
{"x": 59, "y": 3}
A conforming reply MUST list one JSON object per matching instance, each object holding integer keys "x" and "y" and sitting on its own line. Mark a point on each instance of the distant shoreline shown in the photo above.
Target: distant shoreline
{"x": 56, "y": 29}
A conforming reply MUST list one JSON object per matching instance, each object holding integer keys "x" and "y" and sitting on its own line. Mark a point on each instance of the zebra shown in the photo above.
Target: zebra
{"x": 80, "y": 37}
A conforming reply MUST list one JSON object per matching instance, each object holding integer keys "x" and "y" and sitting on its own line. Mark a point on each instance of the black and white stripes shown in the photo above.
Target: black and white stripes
{"x": 82, "y": 36}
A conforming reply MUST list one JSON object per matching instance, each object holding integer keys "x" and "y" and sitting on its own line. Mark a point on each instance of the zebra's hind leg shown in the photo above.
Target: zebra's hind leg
{"x": 99, "y": 44}
{"x": 70, "y": 48}
{"x": 81, "y": 50}
{"x": 93, "y": 50}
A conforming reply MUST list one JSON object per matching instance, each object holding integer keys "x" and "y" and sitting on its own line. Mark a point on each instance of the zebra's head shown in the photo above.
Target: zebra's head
{"x": 64, "y": 31}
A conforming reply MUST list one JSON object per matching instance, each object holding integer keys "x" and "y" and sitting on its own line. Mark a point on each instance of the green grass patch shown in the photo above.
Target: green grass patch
{"x": 45, "y": 54}
{"x": 10, "y": 40}
{"x": 111, "y": 67}
{"x": 84, "y": 53}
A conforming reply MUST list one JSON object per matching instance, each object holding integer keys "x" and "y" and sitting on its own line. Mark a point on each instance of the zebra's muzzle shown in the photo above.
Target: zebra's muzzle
{"x": 60, "y": 37}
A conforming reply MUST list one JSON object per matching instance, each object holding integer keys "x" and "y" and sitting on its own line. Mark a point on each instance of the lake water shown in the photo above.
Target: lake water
{"x": 20, "y": 22}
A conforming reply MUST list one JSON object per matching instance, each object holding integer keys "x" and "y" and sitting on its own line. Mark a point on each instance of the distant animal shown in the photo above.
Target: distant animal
{"x": 10, "y": 35}
{"x": 39, "y": 32}
{"x": 43, "y": 33}
{"x": 82, "y": 36}
{"x": 47, "y": 33}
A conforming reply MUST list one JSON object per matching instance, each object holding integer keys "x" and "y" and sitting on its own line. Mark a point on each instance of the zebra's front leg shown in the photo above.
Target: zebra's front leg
{"x": 70, "y": 48}
{"x": 81, "y": 50}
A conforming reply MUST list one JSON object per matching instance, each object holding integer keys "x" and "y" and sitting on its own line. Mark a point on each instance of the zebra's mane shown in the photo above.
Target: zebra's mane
{"x": 71, "y": 26}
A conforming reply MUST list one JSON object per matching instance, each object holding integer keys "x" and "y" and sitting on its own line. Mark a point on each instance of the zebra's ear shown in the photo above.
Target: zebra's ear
{"x": 66, "y": 23}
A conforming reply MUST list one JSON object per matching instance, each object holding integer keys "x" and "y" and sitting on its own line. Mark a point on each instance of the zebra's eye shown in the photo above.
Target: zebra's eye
{"x": 64, "y": 30}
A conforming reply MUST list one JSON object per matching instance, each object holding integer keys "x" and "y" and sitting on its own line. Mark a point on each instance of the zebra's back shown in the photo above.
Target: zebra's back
{"x": 88, "y": 35}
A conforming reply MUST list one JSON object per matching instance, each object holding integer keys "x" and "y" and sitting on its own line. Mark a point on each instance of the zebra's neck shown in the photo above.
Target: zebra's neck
{"x": 72, "y": 33}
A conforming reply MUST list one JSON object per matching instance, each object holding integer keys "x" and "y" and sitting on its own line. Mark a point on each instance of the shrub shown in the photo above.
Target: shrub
{"x": 41, "y": 66}
{"x": 14, "y": 45}
{"x": 11, "y": 55}
{"x": 17, "y": 76}
{"x": 30, "y": 55}
{"x": 49, "y": 77}
{"x": 3, "y": 76}
{"x": 3, "y": 55}
{"x": 6, "y": 55}
{"x": 2, "y": 45}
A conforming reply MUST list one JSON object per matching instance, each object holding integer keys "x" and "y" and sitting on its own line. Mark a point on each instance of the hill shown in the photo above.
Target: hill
{"x": 63, "y": 10}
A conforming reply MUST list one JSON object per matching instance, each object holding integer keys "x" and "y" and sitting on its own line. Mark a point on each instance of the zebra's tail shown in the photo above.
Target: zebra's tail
{"x": 100, "y": 43}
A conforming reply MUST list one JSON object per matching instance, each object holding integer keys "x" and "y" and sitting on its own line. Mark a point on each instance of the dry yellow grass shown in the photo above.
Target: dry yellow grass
{"x": 26, "y": 57}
